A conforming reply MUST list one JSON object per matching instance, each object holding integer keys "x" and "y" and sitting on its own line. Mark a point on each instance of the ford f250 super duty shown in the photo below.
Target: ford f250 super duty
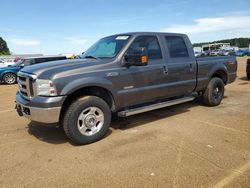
{"x": 122, "y": 74}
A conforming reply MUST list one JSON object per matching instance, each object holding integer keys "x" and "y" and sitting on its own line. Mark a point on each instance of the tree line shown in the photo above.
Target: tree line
{"x": 4, "y": 50}
{"x": 240, "y": 42}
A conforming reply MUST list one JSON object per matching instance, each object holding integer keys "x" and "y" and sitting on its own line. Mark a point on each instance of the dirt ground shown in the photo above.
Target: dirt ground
{"x": 187, "y": 145}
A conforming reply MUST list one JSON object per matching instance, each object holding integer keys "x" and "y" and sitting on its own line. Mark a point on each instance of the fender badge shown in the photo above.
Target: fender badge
{"x": 110, "y": 74}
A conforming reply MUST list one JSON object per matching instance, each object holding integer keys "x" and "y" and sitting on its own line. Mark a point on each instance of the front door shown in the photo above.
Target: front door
{"x": 143, "y": 83}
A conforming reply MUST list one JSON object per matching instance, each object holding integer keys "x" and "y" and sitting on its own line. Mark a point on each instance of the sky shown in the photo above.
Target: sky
{"x": 71, "y": 26}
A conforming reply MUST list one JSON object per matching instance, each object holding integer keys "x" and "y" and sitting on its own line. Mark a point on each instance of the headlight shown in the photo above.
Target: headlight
{"x": 45, "y": 88}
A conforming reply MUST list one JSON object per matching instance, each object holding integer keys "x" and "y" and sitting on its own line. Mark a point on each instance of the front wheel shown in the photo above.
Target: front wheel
{"x": 87, "y": 120}
{"x": 9, "y": 78}
{"x": 214, "y": 92}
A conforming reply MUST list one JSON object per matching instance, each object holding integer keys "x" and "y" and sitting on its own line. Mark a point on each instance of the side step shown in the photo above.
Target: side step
{"x": 134, "y": 111}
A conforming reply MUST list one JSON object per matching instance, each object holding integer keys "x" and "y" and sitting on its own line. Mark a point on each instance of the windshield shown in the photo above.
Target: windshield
{"x": 107, "y": 47}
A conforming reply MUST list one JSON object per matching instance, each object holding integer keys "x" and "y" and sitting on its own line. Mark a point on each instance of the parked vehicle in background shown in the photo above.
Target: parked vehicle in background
{"x": 69, "y": 55}
{"x": 241, "y": 53}
{"x": 214, "y": 53}
{"x": 4, "y": 63}
{"x": 205, "y": 53}
{"x": 197, "y": 54}
{"x": 248, "y": 68}
{"x": 226, "y": 52}
{"x": 122, "y": 74}
{"x": 248, "y": 54}
{"x": 223, "y": 52}
{"x": 8, "y": 74}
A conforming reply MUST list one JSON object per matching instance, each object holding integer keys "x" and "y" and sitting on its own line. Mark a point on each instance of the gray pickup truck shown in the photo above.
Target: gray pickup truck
{"x": 122, "y": 74}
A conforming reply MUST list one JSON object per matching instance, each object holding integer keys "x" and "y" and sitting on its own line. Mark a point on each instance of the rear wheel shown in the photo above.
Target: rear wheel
{"x": 87, "y": 120}
{"x": 214, "y": 92}
{"x": 9, "y": 78}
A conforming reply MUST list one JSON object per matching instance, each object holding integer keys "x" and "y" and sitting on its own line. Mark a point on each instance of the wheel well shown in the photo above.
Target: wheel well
{"x": 221, "y": 74}
{"x": 9, "y": 73}
{"x": 91, "y": 91}
{"x": 2, "y": 77}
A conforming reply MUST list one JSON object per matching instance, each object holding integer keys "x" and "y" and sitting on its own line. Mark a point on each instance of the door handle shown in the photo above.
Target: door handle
{"x": 165, "y": 70}
{"x": 191, "y": 67}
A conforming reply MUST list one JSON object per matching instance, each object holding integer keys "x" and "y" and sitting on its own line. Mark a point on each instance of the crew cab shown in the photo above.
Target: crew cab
{"x": 8, "y": 74}
{"x": 123, "y": 74}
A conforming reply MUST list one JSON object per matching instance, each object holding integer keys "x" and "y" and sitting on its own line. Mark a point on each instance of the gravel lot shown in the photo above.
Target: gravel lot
{"x": 187, "y": 145}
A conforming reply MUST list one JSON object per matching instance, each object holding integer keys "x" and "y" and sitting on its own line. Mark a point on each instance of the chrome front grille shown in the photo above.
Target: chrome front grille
{"x": 25, "y": 84}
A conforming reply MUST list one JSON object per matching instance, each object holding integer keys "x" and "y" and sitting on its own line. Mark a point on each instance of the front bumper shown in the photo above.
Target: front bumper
{"x": 48, "y": 113}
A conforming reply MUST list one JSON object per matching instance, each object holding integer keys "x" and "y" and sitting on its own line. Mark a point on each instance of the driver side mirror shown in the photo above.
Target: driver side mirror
{"x": 138, "y": 57}
{"x": 21, "y": 66}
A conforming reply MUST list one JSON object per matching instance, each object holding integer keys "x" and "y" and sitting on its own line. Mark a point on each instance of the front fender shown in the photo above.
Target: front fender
{"x": 75, "y": 85}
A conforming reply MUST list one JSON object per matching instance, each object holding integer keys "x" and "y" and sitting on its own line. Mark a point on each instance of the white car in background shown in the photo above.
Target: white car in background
{"x": 4, "y": 63}
{"x": 214, "y": 52}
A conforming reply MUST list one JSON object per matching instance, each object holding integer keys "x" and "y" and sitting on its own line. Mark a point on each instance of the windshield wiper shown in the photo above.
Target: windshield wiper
{"x": 90, "y": 57}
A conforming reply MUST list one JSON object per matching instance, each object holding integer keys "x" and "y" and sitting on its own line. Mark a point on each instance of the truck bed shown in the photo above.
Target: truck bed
{"x": 226, "y": 64}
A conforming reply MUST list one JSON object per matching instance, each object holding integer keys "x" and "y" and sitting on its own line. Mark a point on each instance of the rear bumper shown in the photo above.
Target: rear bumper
{"x": 47, "y": 115}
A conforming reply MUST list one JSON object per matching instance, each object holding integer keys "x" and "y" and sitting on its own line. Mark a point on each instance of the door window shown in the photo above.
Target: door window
{"x": 176, "y": 46}
{"x": 150, "y": 43}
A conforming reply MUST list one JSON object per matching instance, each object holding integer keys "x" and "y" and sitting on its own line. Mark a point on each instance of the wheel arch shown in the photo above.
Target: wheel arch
{"x": 97, "y": 91}
{"x": 222, "y": 74}
{"x": 7, "y": 72}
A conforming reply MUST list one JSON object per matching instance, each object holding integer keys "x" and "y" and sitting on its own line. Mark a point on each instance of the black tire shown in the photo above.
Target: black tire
{"x": 9, "y": 78}
{"x": 248, "y": 76}
{"x": 71, "y": 119}
{"x": 214, "y": 92}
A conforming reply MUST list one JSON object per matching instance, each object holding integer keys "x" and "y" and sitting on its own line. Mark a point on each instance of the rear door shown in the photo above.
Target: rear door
{"x": 181, "y": 64}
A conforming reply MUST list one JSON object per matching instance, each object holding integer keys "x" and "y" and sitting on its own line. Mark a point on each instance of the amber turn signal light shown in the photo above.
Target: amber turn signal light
{"x": 144, "y": 59}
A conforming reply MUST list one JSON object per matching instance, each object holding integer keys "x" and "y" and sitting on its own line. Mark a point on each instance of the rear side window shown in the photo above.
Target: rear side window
{"x": 150, "y": 43}
{"x": 176, "y": 46}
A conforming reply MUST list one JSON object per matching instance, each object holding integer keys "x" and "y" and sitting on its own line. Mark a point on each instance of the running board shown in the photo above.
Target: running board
{"x": 134, "y": 111}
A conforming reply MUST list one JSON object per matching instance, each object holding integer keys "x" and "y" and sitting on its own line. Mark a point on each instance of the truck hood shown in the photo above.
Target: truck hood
{"x": 64, "y": 67}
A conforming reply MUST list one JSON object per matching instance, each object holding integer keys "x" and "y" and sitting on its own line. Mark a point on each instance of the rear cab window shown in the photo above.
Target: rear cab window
{"x": 176, "y": 47}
